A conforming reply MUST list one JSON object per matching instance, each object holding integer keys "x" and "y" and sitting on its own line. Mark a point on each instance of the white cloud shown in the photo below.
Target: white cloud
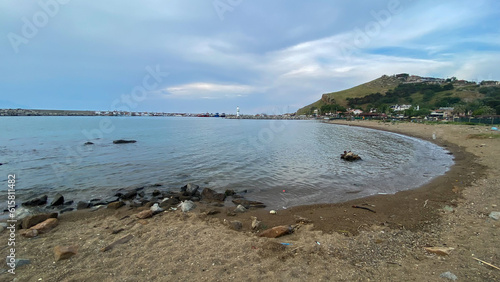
{"x": 203, "y": 90}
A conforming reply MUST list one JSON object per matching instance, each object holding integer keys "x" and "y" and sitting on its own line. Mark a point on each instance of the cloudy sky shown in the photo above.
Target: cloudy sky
{"x": 211, "y": 56}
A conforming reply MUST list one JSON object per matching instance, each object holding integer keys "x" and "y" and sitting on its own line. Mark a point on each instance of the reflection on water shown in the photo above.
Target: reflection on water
{"x": 264, "y": 157}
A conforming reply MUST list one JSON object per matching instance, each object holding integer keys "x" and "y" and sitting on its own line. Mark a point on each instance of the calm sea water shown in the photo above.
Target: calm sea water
{"x": 281, "y": 163}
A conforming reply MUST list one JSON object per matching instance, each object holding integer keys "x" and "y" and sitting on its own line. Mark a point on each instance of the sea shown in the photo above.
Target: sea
{"x": 282, "y": 163}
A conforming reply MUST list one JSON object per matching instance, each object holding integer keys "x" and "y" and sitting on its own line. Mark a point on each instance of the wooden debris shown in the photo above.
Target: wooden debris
{"x": 365, "y": 208}
{"x": 440, "y": 251}
{"x": 489, "y": 264}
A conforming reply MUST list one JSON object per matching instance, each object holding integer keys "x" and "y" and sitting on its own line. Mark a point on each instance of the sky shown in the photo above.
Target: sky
{"x": 214, "y": 55}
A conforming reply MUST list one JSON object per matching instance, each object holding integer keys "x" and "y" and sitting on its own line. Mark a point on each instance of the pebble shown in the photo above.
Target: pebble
{"x": 65, "y": 252}
{"x": 272, "y": 212}
{"x": 448, "y": 275}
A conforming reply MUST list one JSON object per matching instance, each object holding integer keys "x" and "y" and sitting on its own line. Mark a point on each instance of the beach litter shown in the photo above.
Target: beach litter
{"x": 494, "y": 128}
{"x": 448, "y": 275}
{"x": 495, "y": 215}
{"x": 186, "y": 206}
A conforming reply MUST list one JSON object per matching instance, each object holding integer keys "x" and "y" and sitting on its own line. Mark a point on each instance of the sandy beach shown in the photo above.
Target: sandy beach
{"x": 331, "y": 242}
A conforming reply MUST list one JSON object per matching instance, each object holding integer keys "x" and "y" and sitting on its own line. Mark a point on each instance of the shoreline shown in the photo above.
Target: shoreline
{"x": 336, "y": 242}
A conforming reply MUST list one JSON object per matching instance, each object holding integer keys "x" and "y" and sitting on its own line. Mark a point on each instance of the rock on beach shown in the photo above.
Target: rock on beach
{"x": 65, "y": 252}
{"x": 277, "y": 231}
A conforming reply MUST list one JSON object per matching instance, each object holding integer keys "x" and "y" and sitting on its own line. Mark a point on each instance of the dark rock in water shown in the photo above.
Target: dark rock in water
{"x": 83, "y": 205}
{"x": 66, "y": 210}
{"x": 68, "y": 203}
{"x": 121, "y": 141}
{"x": 1, "y": 163}
{"x": 141, "y": 194}
{"x": 248, "y": 204}
{"x": 33, "y": 220}
{"x": 88, "y": 143}
{"x": 129, "y": 195}
{"x": 157, "y": 185}
{"x": 236, "y": 196}
{"x": 58, "y": 200}
{"x": 156, "y": 193}
{"x": 116, "y": 205}
{"x": 350, "y": 156}
{"x": 36, "y": 202}
{"x": 229, "y": 192}
{"x": 190, "y": 189}
{"x": 210, "y": 195}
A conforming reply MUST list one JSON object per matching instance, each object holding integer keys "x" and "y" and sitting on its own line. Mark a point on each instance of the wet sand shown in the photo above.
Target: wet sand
{"x": 341, "y": 243}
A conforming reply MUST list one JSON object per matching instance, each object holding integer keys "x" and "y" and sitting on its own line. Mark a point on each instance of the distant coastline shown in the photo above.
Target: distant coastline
{"x": 35, "y": 112}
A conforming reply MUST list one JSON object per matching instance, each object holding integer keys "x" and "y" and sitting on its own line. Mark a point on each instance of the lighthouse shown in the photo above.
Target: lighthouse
{"x": 237, "y": 111}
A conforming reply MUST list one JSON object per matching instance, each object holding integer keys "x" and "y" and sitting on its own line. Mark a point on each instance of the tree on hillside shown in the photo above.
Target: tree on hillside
{"x": 484, "y": 111}
{"x": 459, "y": 109}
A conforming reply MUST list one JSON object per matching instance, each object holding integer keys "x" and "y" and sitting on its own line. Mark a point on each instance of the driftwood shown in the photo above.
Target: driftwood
{"x": 489, "y": 264}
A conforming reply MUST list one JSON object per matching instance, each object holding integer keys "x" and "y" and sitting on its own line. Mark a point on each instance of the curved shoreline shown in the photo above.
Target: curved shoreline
{"x": 390, "y": 245}
{"x": 413, "y": 209}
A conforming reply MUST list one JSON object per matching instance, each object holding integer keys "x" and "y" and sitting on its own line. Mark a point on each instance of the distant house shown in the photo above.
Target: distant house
{"x": 442, "y": 113}
{"x": 489, "y": 83}
{"x": 355, "y": 111}
{"x": 400, "y": 108}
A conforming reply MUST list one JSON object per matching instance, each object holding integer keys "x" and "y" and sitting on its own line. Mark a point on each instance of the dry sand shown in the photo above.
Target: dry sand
{"x": 341, "y": 244}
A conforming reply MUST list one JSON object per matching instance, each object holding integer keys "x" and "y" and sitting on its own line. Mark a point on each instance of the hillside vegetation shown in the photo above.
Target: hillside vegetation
{"x": 426, "y": 93}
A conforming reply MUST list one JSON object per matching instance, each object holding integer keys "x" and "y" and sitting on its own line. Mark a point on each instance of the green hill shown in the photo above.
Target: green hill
{"x": 426, "y": 92}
